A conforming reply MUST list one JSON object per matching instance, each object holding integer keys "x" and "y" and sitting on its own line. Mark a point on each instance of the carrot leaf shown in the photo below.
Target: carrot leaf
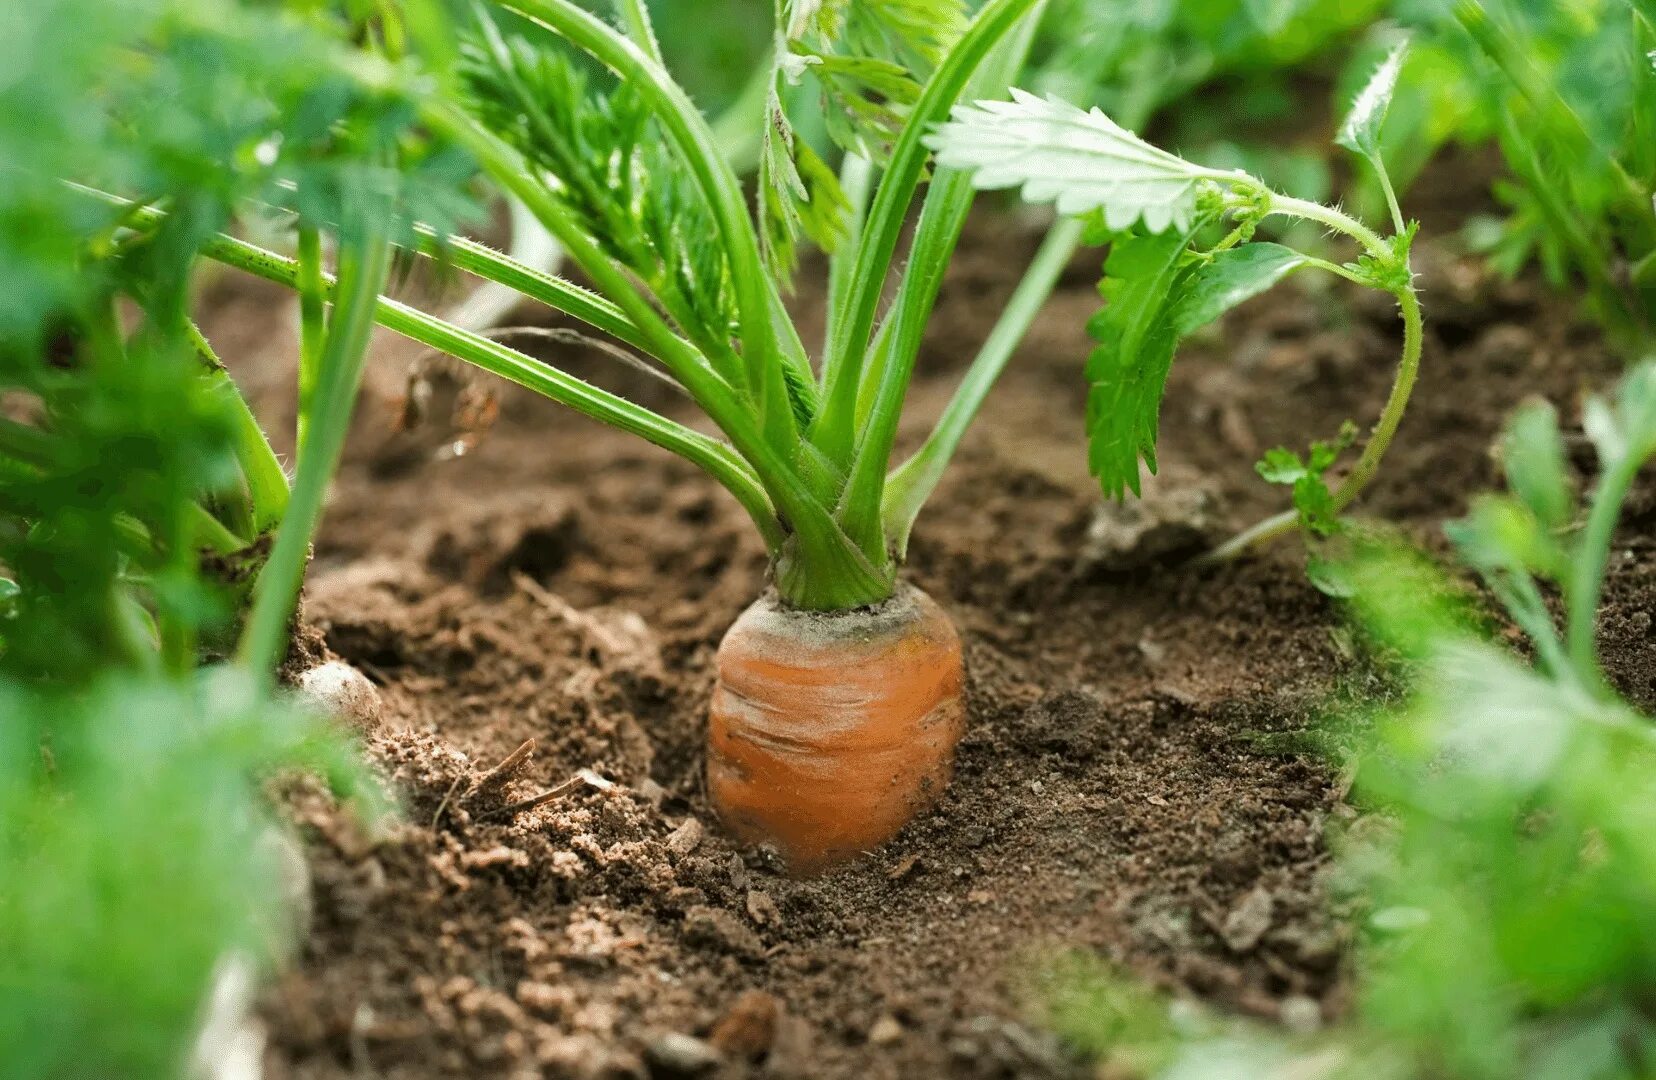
{"x": 1232, "y": 276}
{"x": 1360, "y": 131}
{"x": 1146, "y": 280}
{"x": 1081, "y": 160}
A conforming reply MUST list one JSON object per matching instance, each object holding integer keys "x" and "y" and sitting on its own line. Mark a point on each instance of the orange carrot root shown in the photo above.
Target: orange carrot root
{"x": 829, "y": 732}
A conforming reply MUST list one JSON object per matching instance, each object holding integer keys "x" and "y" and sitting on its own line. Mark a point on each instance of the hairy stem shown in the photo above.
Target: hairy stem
{"x": 635, "y": 17}
{"x": 1332, "y": 218}
{"x": 1408, "y": 369}
{"x": 1397, "y": 402}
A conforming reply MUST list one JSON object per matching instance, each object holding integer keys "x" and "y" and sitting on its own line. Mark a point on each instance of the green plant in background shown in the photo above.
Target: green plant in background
{"x": 1182, "y": 252}
{"x": 1567, "y": 92}
{"x": 1511, "y": 911}
{"x": 1134, "y": 58}
{"x": 1507, "y": 929}
{"x": 146, "y": 528}
{"x": 139, "y": 858}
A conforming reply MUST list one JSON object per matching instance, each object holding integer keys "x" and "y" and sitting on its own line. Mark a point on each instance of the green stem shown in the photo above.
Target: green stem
{"x": 1260, "y": 532}
{"x": 1390, "y": 192}
{"x": 1397, "y": 402}
{"x": 935, "y": 235}
{"x": 364, "y": 263}
{"x": 1586, "y": 582}
{"x": 1334, "y": 219}
{"x": 484, "y": 262}
{"x": 207, "y": 531}
{"x": 312, "y": 322}
{"x": 1368, "y": 463}
{"x": 498, "y": 359}
{"x": 913, "y": 482}
{"x": 635, "y": 17}
{"x": 834, "y": 430}
{"x": 856, "y": 180}
{"x": 267, "y": 484}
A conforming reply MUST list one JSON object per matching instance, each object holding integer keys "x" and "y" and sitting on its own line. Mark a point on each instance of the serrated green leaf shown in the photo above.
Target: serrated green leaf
{"x": 1232, "y": 276}
{"x": 1535, "y": 469}
{"x": 1144, "y": 282}
{"x": 1312, "y": 497}
{"x": 1360, "y": 131}
{"x": 1324, "y": 453}
{"x": 1280, "y": 465}
{"x": 1315, "y": 504}
{"x": 1082, "y": 161}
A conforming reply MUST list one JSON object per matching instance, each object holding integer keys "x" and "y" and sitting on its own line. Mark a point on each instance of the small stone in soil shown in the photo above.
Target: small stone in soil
{"x": 1169, "y": 521}
{"x": 674, "y": 1055}
{"x": 762, "y": 909}
{"x": 1248, "y": 921}
{"x": 1300, "y": 1014}
{"x": 686, "y": 838}
{"x": 886, "y": 1030}
{"x": 718, "y": 929}
{"x": 342, "y": 691}
{"x": 748, "y": 1027}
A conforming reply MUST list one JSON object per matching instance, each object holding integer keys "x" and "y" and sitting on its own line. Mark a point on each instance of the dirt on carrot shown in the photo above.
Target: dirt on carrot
{"x": 1130, "y": 780}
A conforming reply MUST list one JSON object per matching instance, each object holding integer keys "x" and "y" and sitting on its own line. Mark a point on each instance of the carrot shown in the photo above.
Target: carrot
{"x": 829, "y": 731}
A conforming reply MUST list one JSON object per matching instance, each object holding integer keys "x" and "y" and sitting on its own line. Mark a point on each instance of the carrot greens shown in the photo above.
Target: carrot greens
{"x": 1501, "y": 865}
{"x": 628, "y": 176}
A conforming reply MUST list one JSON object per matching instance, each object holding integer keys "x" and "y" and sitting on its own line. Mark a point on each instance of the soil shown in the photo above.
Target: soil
{"x": 1134, "y": 780}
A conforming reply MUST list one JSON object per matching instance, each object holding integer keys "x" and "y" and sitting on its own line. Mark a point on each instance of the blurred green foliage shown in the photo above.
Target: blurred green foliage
{"x": 137, "y": 855}
{"x": 1567, "y": 93}
{"x": 1510, "y": 874}
{"x": 136, "y": 845}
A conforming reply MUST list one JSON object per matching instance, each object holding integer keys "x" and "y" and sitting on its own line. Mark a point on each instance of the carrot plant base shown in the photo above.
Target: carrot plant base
{"x": 829, "y": 732}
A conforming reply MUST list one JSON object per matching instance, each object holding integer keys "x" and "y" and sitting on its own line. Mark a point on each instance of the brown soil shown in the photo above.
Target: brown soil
{"x": 1129, "y": 783}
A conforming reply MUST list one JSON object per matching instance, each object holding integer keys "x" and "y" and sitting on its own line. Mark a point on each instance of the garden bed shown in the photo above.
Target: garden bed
{"x": 1132, "y": 780}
